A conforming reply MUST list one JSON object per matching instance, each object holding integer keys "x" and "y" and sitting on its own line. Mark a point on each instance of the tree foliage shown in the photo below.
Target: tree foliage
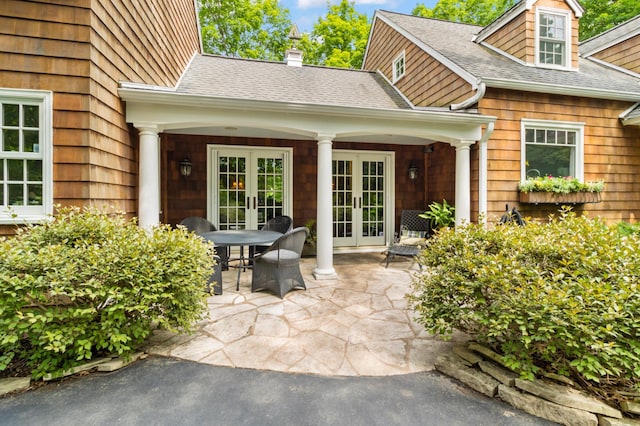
{"x": 601, "y": 15}
{"x": 256, "y": 29}
{"x": 339, "y": 38}
{"x": 478, "y": 12}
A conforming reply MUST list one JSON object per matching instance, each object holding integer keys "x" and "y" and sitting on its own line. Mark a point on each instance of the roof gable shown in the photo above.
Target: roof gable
{"x": 453, "y": 45}
{"x": 515, "y": 11}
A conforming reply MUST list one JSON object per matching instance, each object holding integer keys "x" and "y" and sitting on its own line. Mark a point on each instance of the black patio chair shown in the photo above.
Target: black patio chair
{"x": 200, "y": 225}
{"x": 277, "y": 268}
{"x": 281, "y": 224}
{"x": 414, "y": 230}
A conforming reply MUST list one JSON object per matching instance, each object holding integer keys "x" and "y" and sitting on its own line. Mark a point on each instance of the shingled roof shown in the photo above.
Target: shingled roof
{"x": 233, "y": 78}
{"x": 454, "y": 41}
{"x": 615, "y": 35}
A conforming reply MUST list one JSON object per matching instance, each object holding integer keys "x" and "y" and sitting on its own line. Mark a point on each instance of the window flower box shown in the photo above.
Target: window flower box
{"x": 559, "y": 190}
{"x": 557, "y": 198}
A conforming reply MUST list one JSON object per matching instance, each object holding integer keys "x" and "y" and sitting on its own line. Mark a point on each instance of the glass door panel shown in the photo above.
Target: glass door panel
{"x": 232, "y": 194}
{"x": 270, "y": 175}
{"x": 343, "y": 203}
{"x": 359, "y": 200}
{"x": 373, "y": 209}
{"x": 249, "y": 186}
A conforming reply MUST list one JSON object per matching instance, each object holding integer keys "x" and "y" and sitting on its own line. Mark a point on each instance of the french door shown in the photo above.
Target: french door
{"x": 248, "y": 186}
{"x": 362, "y": 197}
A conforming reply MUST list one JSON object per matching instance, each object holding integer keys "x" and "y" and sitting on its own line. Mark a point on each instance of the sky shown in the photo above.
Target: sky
{"x": 305, "y": 13}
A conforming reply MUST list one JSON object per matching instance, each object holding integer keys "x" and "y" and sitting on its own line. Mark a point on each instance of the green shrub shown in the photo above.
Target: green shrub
{"x": 626, "y": 228}
{"x": 89, "y": 282}
{"x": 440, "y": 215}
{"x": 562, "y": 296}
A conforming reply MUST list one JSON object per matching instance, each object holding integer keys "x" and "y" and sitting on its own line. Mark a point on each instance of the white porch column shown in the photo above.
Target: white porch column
{"x": 324, "y": 216}
{"x": 463, "y": 181}
{"x": 149, "y": 177}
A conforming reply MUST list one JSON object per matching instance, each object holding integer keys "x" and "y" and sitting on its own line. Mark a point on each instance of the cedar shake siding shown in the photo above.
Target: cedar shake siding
{"x": 187, "y": 196}
{"x": 515, "y": 38}
{"x": 80, "y": 50}
{"x": 426, "y": 81}
{"x": 611, "y": 151}
{"x": 625, "y": 55}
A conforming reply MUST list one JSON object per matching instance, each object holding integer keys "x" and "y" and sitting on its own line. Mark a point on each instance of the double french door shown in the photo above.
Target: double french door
{"x": 248, "y": 186}
{"x": 362, "y": 197}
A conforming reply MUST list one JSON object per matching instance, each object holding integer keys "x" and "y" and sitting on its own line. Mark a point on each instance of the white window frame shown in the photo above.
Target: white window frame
{"x": 566, "y": 14}
{"x": 399, "y": 67}
{"x": 44, "y": 99}
{"x": 578, "y": 166}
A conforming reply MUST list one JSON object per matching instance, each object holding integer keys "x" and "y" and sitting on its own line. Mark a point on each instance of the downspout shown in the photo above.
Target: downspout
{"x": 472, "y": 100}
{"x": 482, "y": 173}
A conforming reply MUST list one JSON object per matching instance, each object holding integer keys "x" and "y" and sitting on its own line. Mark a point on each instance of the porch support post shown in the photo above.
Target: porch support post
{"x": 148, "y": 177}
{"x": 324, "y": 215}
{"x": 463, "y": 181}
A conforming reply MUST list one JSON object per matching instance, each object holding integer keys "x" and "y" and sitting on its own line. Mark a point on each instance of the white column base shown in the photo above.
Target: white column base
{"x": 324, "y": 274}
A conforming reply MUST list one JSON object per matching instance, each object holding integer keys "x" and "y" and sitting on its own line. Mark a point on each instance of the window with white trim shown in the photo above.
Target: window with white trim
{"x": 398, "y": 67}
{"x": 25, "y": 155}
{"x": 554, "y": 36}
{"x": 552, "y": 148}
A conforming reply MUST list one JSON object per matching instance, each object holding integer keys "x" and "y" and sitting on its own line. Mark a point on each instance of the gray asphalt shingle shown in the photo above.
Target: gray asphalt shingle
{"x": 233, "y": 78}
{"x": 455, "y": 42}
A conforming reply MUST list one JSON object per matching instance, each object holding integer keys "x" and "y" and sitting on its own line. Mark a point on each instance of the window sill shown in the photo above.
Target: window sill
{"x": 555, "y": 198}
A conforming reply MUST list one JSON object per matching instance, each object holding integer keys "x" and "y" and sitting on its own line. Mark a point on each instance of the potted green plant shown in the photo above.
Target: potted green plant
{"x": 567, "y": 189}
{"x": 309, "y": 248}
{"x": 440, "y": 215}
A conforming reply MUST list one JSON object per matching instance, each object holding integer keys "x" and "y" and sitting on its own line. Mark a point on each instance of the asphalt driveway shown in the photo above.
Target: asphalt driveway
{"x": 166, "y": 391}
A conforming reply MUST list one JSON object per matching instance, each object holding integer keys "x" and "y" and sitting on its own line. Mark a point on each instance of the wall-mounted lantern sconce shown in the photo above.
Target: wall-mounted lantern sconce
{"x": 413, "y": 172}
{"x": 185, "y": 167}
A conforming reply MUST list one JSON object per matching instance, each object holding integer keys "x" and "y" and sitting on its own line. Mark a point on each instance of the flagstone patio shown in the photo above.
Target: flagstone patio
{"x": 356, "y": 325}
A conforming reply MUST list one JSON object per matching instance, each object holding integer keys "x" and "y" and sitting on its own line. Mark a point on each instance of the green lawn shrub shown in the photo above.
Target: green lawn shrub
{"x": 91, "y": 282}
{"x": 562, "y": 296}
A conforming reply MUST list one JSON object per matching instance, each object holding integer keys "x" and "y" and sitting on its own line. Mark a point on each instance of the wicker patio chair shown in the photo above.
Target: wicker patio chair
{"x": 414, "y": 230}
{"x": 281, "y": 224}
{"x": 278, "y": 267}
{"x": 200, "y": 225}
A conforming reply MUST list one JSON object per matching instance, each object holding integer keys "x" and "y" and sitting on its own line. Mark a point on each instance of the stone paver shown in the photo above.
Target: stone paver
{"x": 356, "y": 325}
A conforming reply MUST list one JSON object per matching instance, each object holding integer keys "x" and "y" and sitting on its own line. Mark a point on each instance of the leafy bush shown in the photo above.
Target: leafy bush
{"x": 559, "y": 185}
{"x": 627, "y": 228}
{"x": 88, "y": 282}
{"x": 440, "y": 215}
{"x": 562, "y": 296}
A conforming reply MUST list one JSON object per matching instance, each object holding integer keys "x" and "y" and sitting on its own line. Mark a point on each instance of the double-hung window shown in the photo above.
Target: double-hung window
{"x": 553, "y": 39}
{"x": 25, "y": 155}
{"x": 398, "y": 67}
{"x": 552, "y": 148}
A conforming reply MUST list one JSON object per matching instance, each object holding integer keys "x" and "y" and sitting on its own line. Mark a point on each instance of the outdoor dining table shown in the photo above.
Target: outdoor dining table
{"x": 241, "y": 238}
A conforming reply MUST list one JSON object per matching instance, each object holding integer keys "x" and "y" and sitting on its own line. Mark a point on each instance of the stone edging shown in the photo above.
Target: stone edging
{"x": 19, "y": 384}
{"x": 477, "y": 367}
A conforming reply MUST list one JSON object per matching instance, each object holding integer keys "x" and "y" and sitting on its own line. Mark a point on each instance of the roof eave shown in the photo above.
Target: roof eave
{"x": 136, "y": 95}
{"x": 556, "y": 89}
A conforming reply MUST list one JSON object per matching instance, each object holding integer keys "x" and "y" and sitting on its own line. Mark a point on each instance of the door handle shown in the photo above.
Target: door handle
{"x": 354, "y": 202}
{"x": 247, "y": 203}
{"x": 360, "y": 199}
{"x": 254, "y": 203}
